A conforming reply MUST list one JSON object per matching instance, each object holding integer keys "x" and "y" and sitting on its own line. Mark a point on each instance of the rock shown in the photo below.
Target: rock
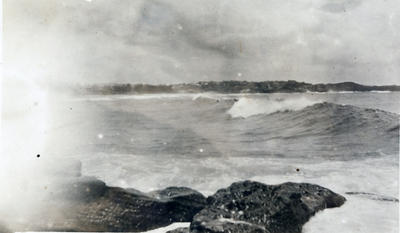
{"x": 117, "y": 209}
{"x": 184, "y": 202}
{"x": 88, "y": 204}
{"x": 255, "y": 207}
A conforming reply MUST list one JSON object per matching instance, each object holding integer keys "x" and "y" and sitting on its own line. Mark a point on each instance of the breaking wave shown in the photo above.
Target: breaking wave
{"x": 334, "y": 130}
{"x": 246, "y": 107}
{"x": 333, "y": 119}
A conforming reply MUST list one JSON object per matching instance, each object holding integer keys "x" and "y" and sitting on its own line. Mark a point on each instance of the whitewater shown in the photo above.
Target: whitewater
{"x": 347, "y": 142}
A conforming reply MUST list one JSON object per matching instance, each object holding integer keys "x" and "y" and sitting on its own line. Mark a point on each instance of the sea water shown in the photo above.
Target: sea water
{"x": 347, "y": 142}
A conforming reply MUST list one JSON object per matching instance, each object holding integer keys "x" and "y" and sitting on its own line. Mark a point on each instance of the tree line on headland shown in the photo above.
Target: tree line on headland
{"x": 290, "y": 86}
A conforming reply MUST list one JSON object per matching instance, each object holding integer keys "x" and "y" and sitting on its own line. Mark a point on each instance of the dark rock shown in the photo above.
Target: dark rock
{"x": 255, "y": 207}
{"x": 117, "y": 209}
{"x": 184, "y": 202}
{"x": 87, "y": 204}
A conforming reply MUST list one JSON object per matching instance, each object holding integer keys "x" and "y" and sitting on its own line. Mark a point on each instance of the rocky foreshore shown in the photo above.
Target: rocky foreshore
{"x": 88, "y": 204}
{"x": 255, "y": 207}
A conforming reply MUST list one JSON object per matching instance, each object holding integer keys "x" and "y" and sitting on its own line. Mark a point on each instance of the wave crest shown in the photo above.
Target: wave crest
{"x": 246, "y": 107}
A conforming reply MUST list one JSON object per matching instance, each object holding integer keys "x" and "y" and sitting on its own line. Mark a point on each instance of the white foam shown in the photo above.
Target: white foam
{"x": 247, "y": 106}
{"x": 356, "y": 215}
{"x": 381, "y": 92}
{"x": 204, "y": 96}
{"x": 207, "y": 175}
{"x": 171, "y": 227}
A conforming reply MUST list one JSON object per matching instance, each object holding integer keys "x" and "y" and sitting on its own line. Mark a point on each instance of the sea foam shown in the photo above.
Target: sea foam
{"x": 246, "y": 106}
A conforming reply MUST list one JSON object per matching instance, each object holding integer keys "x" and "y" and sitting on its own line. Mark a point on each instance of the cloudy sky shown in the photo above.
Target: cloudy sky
{"x": 169, "y": 41}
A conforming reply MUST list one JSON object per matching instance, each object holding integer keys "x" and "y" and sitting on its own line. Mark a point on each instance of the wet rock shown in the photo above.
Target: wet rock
{"x": 88, "y": 204}
{"x": 184, "y": 202}
{"x": 118, "y": 209}
{"x": 255, "y": 207}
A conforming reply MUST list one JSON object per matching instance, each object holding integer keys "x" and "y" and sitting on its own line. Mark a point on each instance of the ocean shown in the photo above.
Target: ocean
{"x": 347, "y": 142}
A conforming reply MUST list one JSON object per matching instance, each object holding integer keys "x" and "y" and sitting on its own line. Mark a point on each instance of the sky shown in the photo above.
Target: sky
{"x": 174, "y": 41}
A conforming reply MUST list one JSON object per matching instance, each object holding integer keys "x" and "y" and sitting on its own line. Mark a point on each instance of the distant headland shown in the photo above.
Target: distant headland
{"x": 289, "y": 86}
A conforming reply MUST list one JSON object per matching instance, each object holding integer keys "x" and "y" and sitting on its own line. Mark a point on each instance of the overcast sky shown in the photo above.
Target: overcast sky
{"x": 97, "y": 41}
